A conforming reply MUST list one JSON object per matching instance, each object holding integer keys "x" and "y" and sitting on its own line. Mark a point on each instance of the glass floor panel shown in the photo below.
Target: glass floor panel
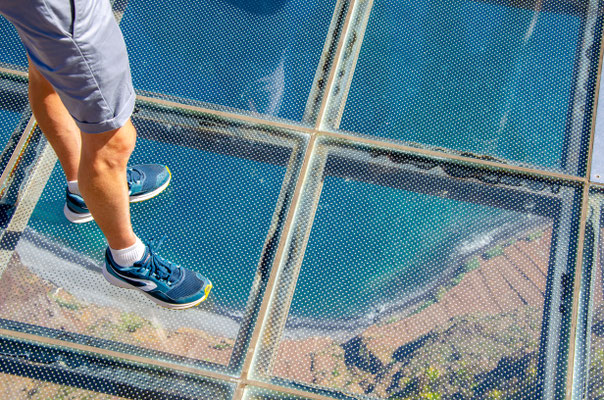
{"x": 17, "y": 387}
{"x": 77, "y": 373}
{"x": 12, "y": 52}
{"x": 589, "y": 356}
{"x": 260, "y": 57}
{"x": 14, "y": 109}
{"x": 442, "y": 291}
{"x": 477, "y": 76}
{"x": 55, "y": 277}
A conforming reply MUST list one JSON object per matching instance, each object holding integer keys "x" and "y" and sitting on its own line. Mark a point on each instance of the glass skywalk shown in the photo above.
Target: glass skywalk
{"x": 390, "y": 197}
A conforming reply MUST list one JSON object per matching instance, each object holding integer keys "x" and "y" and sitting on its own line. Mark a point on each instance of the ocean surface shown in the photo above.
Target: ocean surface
{"x": 255, "y": 56}
{"x": 11, "y": 49}
{"x": 371, "y": 246}
{"x": 467, "y": 75}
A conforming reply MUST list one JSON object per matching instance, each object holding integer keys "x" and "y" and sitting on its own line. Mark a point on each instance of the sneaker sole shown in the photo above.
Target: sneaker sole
{"x": 119, "y": 283}
{"x": 150, "y": 195}
{"x": 79, "y": 218}
{"x": 76, "y": 218}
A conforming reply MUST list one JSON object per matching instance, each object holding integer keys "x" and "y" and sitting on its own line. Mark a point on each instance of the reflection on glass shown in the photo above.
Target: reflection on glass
{"x": 418, "y": 283}
{"x": 470, "y": 76}
{"x": 13, "y": 103}
{"x": 216, "y": 214}
{"x": 257, "y": 56}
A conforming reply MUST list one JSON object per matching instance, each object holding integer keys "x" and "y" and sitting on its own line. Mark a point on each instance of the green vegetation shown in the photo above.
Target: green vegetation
{"x": 534, "y": 236}
{"x": 444, "y": 364}
{"x": 493, "y": 252}
{"x": 222, "y": 346}
{"x": 510, "y": 242}
{"x": 472, "y": 264}
{"x": 67, "y": 302}
{"x": 423, "y": 306}
{"x": 131, "y": 322}
{"x": 441, "y": 292}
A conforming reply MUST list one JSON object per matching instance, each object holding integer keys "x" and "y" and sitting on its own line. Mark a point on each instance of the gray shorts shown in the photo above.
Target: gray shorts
{"x": 78, "y": 47}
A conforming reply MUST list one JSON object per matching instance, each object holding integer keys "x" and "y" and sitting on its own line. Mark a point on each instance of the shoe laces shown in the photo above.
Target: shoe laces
{"x": 134, "y": 175}
{"x": 159, "y": 267}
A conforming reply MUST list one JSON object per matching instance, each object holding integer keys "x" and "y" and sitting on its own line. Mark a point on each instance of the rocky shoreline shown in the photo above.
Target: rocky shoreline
{"x": 477, "y": 339}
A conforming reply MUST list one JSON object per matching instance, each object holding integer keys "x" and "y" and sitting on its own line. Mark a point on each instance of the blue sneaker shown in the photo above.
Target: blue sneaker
{"x": 145, "y": 181}
{"x": 167, "y": 284}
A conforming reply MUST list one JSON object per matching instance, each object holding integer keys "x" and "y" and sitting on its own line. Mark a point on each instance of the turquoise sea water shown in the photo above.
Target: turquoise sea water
{"x": 371, "y": 245}
{"x": 255, "y": 56}
{"x": 11, "y": 49}
{"x": 8, "y": 123}
{"x": 467, "y": 75}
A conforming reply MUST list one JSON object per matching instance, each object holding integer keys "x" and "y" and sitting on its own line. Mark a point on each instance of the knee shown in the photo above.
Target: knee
{"x": 110, "y": 150}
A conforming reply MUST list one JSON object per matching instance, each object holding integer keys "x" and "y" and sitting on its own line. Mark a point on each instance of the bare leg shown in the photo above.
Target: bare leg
{"x": 59, "y": 128}
{"x": 97, "y": 161}
{"x": 102, "y": 182}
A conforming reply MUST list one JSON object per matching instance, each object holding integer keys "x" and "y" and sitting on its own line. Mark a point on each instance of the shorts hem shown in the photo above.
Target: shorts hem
{"x": 111, "y": 124}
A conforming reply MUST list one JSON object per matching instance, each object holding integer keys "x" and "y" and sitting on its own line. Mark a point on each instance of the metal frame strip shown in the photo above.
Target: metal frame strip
{"x": 581, "y": 242}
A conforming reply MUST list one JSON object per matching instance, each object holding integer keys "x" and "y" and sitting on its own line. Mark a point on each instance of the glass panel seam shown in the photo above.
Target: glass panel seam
{"x": 581, "y": 240}
{"x": 224, "y": 114}
{"x": 10, "y": 71}
{"x": 353, "y": 38}
{"x": 298, "y": 240}
{"x": 581, "y": 85}
{"x": 28, "y": 198}
{"x": 335, "y": 62}
{"x": 453, "y": 157}
{"x": 370, "y": 141}
{"x": 25, "y": 135}
{"x": 597, "y": 89}
{"x": 290, "y": 181}
{"x": 276, "y": 388}
{"x": 325, "y": 67}
{"x": 384, "y": 144}
{"x": 283, "y": 243}
{"x": 582, "y": 342}
{"x": 361, "y": 139}
{"x": 576, "y": 289}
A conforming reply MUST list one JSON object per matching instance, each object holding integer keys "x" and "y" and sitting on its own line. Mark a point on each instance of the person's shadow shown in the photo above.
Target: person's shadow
{"x": 259, "y": 7}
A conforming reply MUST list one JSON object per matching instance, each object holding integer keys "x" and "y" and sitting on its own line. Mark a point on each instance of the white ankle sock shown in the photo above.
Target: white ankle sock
{"x": 128, "y": 256}
{"x": 73, "y": 187}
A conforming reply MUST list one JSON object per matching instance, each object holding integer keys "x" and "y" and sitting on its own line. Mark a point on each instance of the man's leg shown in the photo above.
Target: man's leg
{"x": 53, "y": 118}
{"x": 89, "y": 69}
{"x": 102, "y": 182}
{"x": 104, "y": 156}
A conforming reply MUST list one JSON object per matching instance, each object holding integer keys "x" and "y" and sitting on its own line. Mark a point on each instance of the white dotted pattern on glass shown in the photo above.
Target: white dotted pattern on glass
{"x": 418, "y": 279}
{"x": 490, "y": 78}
